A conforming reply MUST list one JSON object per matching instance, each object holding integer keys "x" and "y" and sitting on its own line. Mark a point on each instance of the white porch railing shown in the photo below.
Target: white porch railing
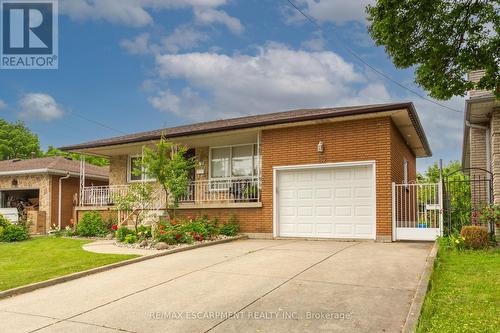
{"x": 241, "y": 189}
{"x": 102, "y": 195}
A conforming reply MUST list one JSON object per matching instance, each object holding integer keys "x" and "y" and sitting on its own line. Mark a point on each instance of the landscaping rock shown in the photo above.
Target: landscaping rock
{"x": 144, "y": 243}
{"x": 161, "y": 246}
{"x": 110, "y": 236}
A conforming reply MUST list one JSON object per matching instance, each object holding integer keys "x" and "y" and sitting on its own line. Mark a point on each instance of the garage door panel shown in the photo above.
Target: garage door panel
{"x": 334, "y": 202}
{"x": 361, "y": 211}
{"x": 305, "y": 194}
{"x": 324, "y": 211}
{"x": 306, "y": 211}
{"x": 323, "y": 193}
{"x": 305, "y": 228}
{"x": 324, "y": 229}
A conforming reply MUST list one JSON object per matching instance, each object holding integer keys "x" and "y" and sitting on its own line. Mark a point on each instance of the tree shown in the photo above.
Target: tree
{"x": 135, "y": 202}
{"x": 17, "y": 141}
{"x": 99, "y": 161}
{"x": 444, "y": 39}
{"x": 166, "y": 163}
{"x": 431, "y": 175}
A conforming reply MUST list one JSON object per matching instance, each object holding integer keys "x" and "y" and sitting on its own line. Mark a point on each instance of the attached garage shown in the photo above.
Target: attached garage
{"x": 335, "y": 200}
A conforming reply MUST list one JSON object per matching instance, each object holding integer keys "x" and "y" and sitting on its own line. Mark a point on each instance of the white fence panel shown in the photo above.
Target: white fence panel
{"x": 417, "y": 212}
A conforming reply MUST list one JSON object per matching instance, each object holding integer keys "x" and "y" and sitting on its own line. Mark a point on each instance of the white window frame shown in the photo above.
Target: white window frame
{"x": 129, "y": 171}
{"x": 231, "y": 161}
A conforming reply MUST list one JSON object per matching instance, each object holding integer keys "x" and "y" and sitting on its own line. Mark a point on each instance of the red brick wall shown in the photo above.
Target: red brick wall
{"x": 357, "y": 140}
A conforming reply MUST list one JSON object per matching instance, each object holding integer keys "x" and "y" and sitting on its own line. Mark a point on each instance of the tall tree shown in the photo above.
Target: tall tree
{"x": 17, "y": 141}
{"x": 443, "y": 40}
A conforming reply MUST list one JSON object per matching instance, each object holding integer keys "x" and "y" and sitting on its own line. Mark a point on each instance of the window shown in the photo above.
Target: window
{"x": 234, "y": 161}
{"x": 405, "y": 171}
{"x": 135, "y": 173}
{"x": 219, "y": 164}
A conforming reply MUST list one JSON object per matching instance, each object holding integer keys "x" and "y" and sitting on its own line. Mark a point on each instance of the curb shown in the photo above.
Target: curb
{"x": 77, "y": 275}
{"x": 411, "y": 321}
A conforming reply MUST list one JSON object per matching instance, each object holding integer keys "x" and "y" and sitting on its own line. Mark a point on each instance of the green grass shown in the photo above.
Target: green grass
{"x": 43, "y": 258}
{"x": 464, "y": 294}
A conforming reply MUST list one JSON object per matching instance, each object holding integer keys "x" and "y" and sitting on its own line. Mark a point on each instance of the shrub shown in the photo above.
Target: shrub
{"x": 144, "y": 232}
{"x": 130, "y": 239}
{"x": 4, "y": 222}
{"x": 111, "y": 221}
{"x": 475, "y": 237}
{"x": 212, "y": 226}
{"x": 14, "y": 233}
{"x": 232, "y": 227}
{"x": 122, "y": 233}
{"x": 196, "y": 228}
{"x": 91, "y": 225}
{"x": 166, "y": 237}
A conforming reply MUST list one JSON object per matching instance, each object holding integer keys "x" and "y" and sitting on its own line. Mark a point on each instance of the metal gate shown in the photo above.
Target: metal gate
{"x": 466, "y": 193}
{"x": 417, "y": 212}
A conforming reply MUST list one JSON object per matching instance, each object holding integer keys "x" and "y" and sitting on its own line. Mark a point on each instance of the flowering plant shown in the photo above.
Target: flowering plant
{"x": 489, "y": 214}
{"x": 114, "y": 227}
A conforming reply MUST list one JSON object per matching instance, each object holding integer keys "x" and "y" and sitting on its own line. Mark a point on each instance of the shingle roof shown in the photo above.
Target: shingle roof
{"x": 254, "y": 121}
{"x": 53, "y": 163}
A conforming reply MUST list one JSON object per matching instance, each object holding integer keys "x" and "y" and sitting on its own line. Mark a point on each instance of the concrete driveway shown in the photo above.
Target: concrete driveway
{"x": 243, "y": 286}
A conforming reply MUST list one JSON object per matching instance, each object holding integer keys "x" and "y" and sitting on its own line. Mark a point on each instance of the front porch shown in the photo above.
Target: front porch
{"x": 227, "y": 173}
{"x": 231, "y": 192}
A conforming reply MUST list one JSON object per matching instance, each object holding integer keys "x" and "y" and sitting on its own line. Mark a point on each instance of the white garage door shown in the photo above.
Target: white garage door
{"x": 333, "y": 202}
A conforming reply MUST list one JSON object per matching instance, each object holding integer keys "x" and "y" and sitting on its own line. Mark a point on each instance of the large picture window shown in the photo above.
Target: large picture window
{"x": 233, "y": 161}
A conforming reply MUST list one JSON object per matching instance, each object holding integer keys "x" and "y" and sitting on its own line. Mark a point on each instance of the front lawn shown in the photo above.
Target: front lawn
{"x": 464, "y": 294}
{"x": 43, "y": 258}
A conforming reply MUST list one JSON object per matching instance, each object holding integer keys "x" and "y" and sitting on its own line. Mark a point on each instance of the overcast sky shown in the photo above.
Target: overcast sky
{"x": 135, "y": 65}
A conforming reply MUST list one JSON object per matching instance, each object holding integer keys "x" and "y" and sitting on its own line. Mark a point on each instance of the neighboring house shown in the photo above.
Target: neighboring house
{"x": 323, "y": 173}
{"x": 32, "y": 186}
{"x": 481, "y": 142}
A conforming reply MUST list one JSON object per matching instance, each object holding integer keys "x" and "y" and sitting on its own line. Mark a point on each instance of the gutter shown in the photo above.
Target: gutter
{"x": 60, "y": 199}
{"x": 56, "y": 172}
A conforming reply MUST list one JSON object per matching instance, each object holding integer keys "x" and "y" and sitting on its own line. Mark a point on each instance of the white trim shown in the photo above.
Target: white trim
{"x": 57, "y": 172}
{"x": 371, "y": 163}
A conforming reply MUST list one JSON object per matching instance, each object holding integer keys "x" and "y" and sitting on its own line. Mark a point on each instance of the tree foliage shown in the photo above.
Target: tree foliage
{"x": 135, "y": 201}
{"x": 17, "y": 141}
{"x": 443, "y": 39}
{"x": 431, "y": 175}
{"x": 99, "y": 161}
{"x": 166, "y": 162}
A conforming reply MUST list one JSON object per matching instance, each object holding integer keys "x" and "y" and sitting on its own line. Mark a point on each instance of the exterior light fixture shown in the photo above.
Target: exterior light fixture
{"x": 320, "y": 147}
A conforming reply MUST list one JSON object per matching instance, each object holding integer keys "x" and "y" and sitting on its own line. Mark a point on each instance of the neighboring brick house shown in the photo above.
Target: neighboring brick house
{"x": 317, "y": 173}
{"x": 481, "y": 141}
{"x": 34, "y": 183}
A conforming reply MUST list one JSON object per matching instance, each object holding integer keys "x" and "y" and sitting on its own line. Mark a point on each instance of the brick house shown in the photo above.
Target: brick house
{"x": 34, "y": 184}
{"x": 316, "y": 173}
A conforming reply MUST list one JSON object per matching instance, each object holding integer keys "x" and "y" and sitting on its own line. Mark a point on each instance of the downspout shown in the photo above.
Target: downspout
{"x": 488, "y": 147}
{"x": 60, "y": 199}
